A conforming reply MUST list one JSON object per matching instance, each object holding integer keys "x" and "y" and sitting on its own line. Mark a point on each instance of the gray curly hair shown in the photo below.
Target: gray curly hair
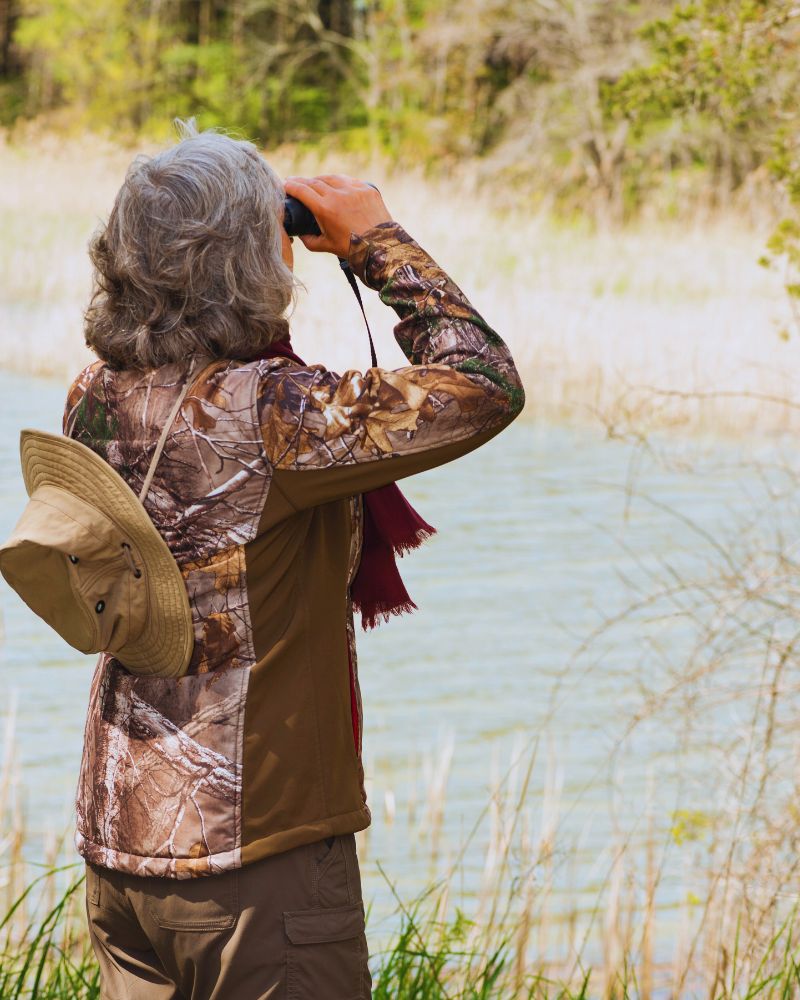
{"x": 190, "y": 261}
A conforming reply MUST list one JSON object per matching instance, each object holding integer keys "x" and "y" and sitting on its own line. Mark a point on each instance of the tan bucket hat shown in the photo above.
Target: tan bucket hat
{"x": 86, "y": 558}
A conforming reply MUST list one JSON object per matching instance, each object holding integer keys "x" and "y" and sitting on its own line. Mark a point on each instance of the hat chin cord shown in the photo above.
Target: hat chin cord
{"x": 128, "y": 553}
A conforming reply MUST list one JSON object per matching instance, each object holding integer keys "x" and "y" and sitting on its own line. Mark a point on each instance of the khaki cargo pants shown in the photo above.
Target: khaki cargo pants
{"x": 290, "y": 927}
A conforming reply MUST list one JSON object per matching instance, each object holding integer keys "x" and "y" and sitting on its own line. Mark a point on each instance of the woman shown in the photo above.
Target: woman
{"x": 248, "y": 769}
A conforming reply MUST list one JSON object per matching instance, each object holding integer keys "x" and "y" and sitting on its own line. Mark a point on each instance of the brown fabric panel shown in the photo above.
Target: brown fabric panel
{"x": 276, "y": 508}
{"x": 304, "y": 769}
{"x": 310, "y": 487}
{"x": 326, "y": 586}
{"x": 273, "y": 578}
{"x": 285, "y": 840}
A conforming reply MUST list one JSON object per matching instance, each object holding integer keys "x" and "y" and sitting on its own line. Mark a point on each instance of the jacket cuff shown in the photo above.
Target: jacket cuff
{"x": 377, "y": 252}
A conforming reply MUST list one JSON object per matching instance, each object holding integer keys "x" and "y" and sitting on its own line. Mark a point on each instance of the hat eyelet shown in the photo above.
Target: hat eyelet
{"x": 73, "y": 559}
{"x": 100, "y": 607}
{"x": 137, "y": 574}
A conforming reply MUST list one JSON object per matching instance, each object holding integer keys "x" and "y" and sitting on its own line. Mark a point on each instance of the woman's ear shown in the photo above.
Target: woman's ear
{"x": 286, "y": 249}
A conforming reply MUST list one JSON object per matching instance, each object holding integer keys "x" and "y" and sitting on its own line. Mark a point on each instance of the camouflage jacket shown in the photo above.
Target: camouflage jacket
{"x": 258, "y": 495}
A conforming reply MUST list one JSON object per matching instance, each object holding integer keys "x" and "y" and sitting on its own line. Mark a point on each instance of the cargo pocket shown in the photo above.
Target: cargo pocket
{"x": 335, "y": 879}
{"x": 205, "y": 903}
{"x": 326, "y": 958}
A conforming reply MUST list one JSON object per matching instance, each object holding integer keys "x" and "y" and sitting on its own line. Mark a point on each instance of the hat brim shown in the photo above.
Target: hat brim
{"x": 164, "y": 646}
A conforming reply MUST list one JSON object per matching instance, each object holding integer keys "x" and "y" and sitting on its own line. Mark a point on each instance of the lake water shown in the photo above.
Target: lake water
{"x": 539, "y": 543}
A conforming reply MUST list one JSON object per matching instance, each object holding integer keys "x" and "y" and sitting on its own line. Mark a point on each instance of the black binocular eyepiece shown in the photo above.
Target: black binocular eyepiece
{"x": 298, "y": 220}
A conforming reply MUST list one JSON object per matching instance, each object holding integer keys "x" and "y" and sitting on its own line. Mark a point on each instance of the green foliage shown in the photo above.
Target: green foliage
{"x": 85, "y": 53}
{"x": 711, "y": 57}
{"x": 727, "y": 72}
{"x": 715, "y": 69}
{"x": 12, "y": 101}
{"x": 53, "y": 960}
{"x": 125, "y": 66}
{"x": 689, "y": 825}
{"x": 423, "y": 966}
{"x": 783, "y": 246}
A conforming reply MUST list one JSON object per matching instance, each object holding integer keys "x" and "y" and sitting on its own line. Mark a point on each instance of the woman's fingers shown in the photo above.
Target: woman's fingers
{"x": 341, "y": 205}
{"x": 309, "y": 193}
{"x": 302, "y": 189}
{"x": 341, "y": 181}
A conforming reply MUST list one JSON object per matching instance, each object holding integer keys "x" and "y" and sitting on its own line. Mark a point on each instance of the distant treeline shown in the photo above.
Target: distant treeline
{"x": 599, "y": 106}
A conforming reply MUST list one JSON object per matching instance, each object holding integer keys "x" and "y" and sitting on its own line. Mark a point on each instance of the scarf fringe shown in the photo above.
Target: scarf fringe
{"x": 372, "y": 617}
{"x": 402, "y": 545}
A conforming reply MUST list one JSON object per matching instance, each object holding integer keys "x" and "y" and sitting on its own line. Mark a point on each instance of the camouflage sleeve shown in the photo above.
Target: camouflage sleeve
{"x": 329, "y": 436}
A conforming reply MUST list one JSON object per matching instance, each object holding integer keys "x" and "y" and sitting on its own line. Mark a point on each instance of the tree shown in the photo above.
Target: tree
{"x": 278, "y": 69}
{"x": 727, "y": 71}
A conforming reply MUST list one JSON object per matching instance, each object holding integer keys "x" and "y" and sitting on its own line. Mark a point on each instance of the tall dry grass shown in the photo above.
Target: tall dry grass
{"x": 507, "y": 944}
{"x": 594, "y": 318}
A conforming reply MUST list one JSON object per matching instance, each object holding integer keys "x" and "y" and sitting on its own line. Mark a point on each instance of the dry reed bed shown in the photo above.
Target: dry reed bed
{"x": 597, "y": 321}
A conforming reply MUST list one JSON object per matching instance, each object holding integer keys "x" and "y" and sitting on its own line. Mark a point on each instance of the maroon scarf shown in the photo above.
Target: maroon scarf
{"x": 391, "y": 527}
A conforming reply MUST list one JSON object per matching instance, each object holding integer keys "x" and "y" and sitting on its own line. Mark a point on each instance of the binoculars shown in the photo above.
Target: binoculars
{"x": 298, "y": 220}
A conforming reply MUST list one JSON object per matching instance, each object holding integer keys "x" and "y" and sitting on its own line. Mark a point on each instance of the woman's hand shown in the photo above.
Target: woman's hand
{"x": 341, "y": 205}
